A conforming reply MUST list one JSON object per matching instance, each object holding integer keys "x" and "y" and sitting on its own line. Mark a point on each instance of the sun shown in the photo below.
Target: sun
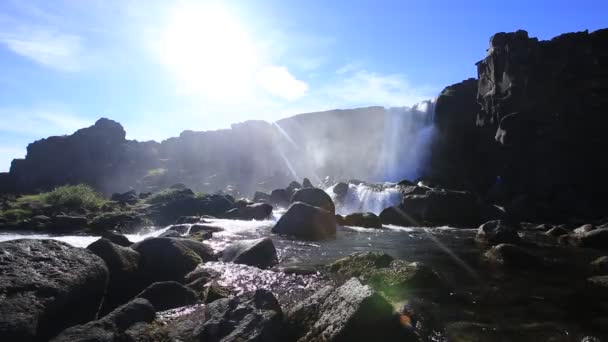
{"x": 208, "y": 50}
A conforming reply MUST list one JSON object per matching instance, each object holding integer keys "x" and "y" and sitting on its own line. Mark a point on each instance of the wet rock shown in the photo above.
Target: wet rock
{"x": 600, "y": 265}
{"x": 261, "y": 197}
{"x": 112, "y": 326}
{"x": 367, "y": 220}
{"x": 178, "y": 203}
{"x": 497, "y": 232}
{"x": 214, "y": 291}
{"x": 293, "y": 187}
{"x": 396, "y": 216}
{"x": 352, "y": 312}
{"x": 181, "y": 229}
{"x": 167, "y": 295}
{"x": 165, "y": 259}
{"x": 557, "y": 231}
{"x": 306, "y": 184}
{"x": 583, "y": 229}
{"x": 116, "y": 238}
{"x": 279, "y": 198}
{"x": 170, "y": 234}
{"x": 124, "y": 222}
{"x": 197, "y": 228}
{"x": 406, "y": 182}
{"x": 341, "y": 189}
{"x": 315, "y": 197}
{"x": 479, "y": 332}
{"x": 307, "y": 222}
{"x": 299, "y": 270}
{"x": 395, "y": 278}
{"x": 47, "y": 286}
{"x": 259, "y": 253}
{"x": 67, "y": 223}
{"x": 199, "y": 277}
{"x": 123, "y": 265}
{"x": 301, "y": 318}
{"x": 254, "y": 316}
{"x": 129, "y": 197}
{"x": 512, "y": 256}
{"x": 257, "y": 211}
{"x": 597, "y": 238}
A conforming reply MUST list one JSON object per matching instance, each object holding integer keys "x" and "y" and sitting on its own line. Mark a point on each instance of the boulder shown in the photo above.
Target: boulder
{"x": 122, "y": 221}
{"x": 279, "y": 198}
{"x": 67, "y": 223}
{"x": 512, "y": 256}
{"x": 315, "y": 197}
{"x": 112, "y": 326}
{"x": 306, "y": 221}
{"x": 600, "y": 265}
{"x": 497, "y": 232}
{"x": 174, "y": 204}
{"x": 198, "y": 228}
{"x": 129, "y": 197}
{"x": 253, "y": 316}
{"x": 261, "y": 197}
{"x": 293, "y": 187}
{"x": 167, "y": 295}
{"x": 306, "y": 183}
{"x": 123, "y": 265}
{"x": 367, "y": 220}
{"x": 260, "y": 253}
{"x": 257, "y": 211}
{"x": 47, "y": 286}
{"x": 214, "y": 291}
{"x": 180, "y": 228}
{"x": 341, "y": 189}
{"x": 352, "y": 312}
{"x": 597, "y": 238}
{"x": 165, "y": 259}
{"x": 557, "y": 231}
{"x": 397, "y": 216}
{"x": 583, "y": 229}
{"x": 116, "y": 238}
{"x": 170, "y": 234}
{"x": 189, "y": 220}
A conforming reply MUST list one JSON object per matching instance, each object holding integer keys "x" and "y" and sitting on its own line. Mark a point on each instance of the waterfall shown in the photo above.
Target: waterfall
{"x": 366, "y": 198}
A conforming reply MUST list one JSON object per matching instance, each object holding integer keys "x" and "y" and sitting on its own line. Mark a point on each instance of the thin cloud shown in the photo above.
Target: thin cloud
{"x": 46, "y": 47}
{"x": 278, "y": 81}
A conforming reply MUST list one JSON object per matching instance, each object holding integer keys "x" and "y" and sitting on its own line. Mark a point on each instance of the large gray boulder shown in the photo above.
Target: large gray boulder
{"x": 165, "y": 295}
{"x": 165, "y": 259}
{"x": 353, "y": 312}
{"x": 260, "y": 253}
{"x": 315, "y": 197}
{"x": 497, "y": 232}
{"x": 252, "y": 317}
{"x": 47, "y": 286}
{"x": 123, "y": 264}
{"x": 112, "y": 326}
{"x": 306, "y": 221}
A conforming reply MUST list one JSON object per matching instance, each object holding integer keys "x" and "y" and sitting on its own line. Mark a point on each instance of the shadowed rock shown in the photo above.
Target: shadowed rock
{"x": 307, "y": 222}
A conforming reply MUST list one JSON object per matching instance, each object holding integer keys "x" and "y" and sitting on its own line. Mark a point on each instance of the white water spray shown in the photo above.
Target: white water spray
{"x": 366, "y": 198}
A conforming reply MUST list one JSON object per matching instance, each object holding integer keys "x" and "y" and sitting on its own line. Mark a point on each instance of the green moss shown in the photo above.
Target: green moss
{"x": 16, "y": 214}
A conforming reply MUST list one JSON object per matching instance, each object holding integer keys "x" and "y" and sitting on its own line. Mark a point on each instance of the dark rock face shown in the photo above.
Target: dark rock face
{"x": 123, "y": 264}
{"x": 129, "y": 197}
{"x": 315, "y": 197}
{"x": 254, "y": 316}
{"x": 167, "y": 295}
{"x": 497, "y": 232}
{"x": 307, "y": 222}
{"x": 306, "y": 183}
{"x": 367, "y": 220}
{"x": 260, "y": 253}
{"x": 126, "y": 222}
{"x": 164, "y": 259}
{"x": 186, "y": 203}
{"x": 279, "y": 198}
{"x": 341, "y": 189}
{"x": 67, "y": 223}
{"x": 397, "y": 216}
{"x": 47, "y": 286}
{"x": 111, "y": 327}
{"x": 525, "y": 128}
{"x": 261, "y": 197}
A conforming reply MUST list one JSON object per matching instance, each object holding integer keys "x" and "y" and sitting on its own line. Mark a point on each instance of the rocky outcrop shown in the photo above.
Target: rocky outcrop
{"x": 522, "y": 132}
{"x": 306, "y": 222}
{"x": 165, "y": 295}
{"x": 260, "y": 253}
{"x": 47, "y": 286}
{"x": 256, "y": 211}
{"x": 366, "y": 220}
{"x": 315, "y": 197}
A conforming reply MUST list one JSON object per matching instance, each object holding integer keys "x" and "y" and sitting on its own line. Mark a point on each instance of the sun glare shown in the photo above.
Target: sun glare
{"x": 208, "y": 50}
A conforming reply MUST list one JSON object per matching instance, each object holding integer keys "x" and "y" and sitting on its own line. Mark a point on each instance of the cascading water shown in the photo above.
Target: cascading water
{"x": 366, "y": 198}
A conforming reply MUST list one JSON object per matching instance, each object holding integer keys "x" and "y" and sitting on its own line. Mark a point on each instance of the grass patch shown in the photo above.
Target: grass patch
{"x": 16, "y": 214}
{"x": 75, "y": 196}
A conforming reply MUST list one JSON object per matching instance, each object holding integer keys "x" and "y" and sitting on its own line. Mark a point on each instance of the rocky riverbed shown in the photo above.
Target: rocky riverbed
{"x": 207, "y": 278}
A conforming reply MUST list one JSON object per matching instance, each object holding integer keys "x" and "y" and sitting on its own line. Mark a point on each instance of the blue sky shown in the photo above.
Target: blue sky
{"x": 160, "y": 67}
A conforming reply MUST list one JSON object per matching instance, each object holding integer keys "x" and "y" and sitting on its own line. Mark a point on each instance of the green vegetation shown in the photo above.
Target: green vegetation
{"x": 167, "y": 195}
{"x": 75, "y": 196}
{"x": 16, "y": 214}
